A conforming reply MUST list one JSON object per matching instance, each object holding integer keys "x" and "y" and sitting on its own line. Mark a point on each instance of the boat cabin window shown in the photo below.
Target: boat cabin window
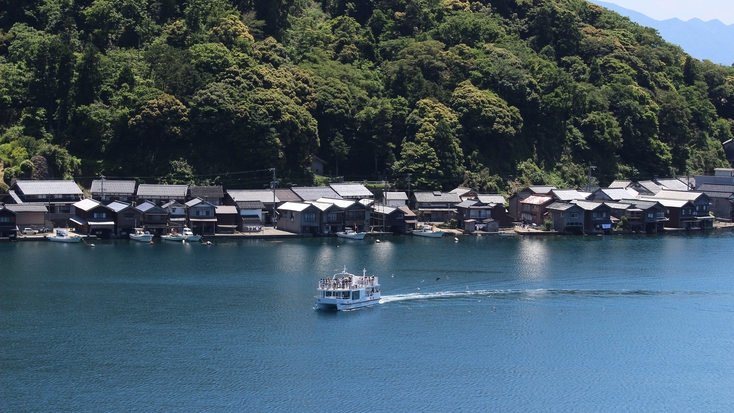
{"x": 355, "y": 295}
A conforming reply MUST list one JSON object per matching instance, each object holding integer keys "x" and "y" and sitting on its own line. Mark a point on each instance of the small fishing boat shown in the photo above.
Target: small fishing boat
{"x": 345, "y": 291}
{"x": 174, "y": 236}
{"x": 351, "y": 234}
{"x": 63, "y": 236}
{"x": 190, "y": 236}
{"x": 428, "y": 232}
{"x": 139, "y": 235}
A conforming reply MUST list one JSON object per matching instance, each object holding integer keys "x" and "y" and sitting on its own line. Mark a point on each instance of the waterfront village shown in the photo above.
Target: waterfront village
{"x": 115, "y": 208}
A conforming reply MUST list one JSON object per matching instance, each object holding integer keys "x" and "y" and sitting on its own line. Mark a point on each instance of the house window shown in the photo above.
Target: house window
{"x": 356, "y": 215}
{"x": 100, "y": 215}
{"x": 207, "y": 212}
{"x": 129, "y": 217}
{"x": 63, "y": 209}
{"x": 4, "y": 219}
{"x": 197, "y": 213}
{"x": 650, "y": 215}
{"x": 332, "y": 217}
{"x": 309, "y": 217}
{"x": 399, "y": 216}
{"x": 574, "y": 215}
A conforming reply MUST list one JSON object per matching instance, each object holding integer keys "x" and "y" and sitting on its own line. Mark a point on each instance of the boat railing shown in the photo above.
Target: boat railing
{"x": 347, "y": 283}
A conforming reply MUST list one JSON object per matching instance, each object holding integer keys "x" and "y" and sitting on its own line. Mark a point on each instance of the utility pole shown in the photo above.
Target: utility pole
{"x": 591, "y": 168}
{"x": 272, "y": 185}
{"x": 409, "y": 189}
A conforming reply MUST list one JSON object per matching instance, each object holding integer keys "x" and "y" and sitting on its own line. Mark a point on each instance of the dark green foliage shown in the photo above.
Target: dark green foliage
{"x": 487, "y": 94}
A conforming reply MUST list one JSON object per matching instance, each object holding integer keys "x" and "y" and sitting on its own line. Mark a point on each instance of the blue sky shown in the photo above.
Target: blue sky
{"x": 705, "y": 10}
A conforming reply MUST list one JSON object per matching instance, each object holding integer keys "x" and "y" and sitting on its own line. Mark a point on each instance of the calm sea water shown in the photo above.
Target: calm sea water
{"x": 573, "y": 324}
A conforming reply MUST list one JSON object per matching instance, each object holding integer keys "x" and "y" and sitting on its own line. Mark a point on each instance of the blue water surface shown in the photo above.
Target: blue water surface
{"x": 557, "y": 324}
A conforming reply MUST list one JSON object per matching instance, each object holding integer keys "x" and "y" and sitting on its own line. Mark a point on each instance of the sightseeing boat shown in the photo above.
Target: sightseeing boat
{"x": 351, "y": 234}
{"x": 140, "y": 235}
{"x": 345, "y": 291}
{"x": 428, "y": 232}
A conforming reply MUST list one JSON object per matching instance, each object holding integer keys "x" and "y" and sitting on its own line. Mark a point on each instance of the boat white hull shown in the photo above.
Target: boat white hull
{"x": 429, "y": 234}
{"x": 173, "y": 238}
{"x": 343, "y": 305}
{"x": 355, "y": 235}
{"x": 63, "y": 239}
{"x": 142, "y": 238}
{"x": 193, "y": 238}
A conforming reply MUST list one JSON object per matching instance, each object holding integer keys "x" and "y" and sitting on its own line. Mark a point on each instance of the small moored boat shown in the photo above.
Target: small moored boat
{"x": 140, "y": 235}
{"x": 351, "y": 234}
{"x": 190, "y": 236}
{"x": 428, "y": 232}
{"x": 345, "y": 291}
{"x": 174, "y": 236}
{"x": 63, "y": 236}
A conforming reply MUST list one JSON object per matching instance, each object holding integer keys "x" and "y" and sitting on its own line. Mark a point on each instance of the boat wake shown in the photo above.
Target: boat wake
{"x": 530, "y": 294}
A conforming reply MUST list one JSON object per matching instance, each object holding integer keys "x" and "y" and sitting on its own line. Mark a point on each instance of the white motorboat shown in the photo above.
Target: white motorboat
{"x": 139, "y": 235}
{"x": 174, "y": 236}
{"x": 63, "y": 236}
{"x": 345, "y": 291}
{"x": 190, "y": 236}
{"x": 428, "y": 232}
{"x": 351, "y": 234}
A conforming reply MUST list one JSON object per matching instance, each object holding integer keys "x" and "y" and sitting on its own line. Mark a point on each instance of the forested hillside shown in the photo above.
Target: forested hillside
{"x": 490, "y": 94}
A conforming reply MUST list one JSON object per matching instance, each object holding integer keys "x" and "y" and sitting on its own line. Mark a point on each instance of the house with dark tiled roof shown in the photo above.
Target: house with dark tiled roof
{"x": 567, "y": 217}
{"x": 351, "y": 191}
{"x": 646, "y": 188}
{"x": 644, "y": 216}
{"x": 597, "y": 217}
{"x": 202, "y": 217}
{"x": 57, "y": 195}
{"x": 251, "y": 215}
{"x": 228, "y": 219}
{"x": 672, "y": 184}
{"x": 343, "y": 213}
{"x": 299, "y": 218}
{"x": 464, "y": 193}
{"x": 685, "y": 209}
{"x": 568, "y": 195}
{"x": 107, "y": 190}
{"x": 126, "y": 218}
{"x": 722, "y": 199}
{"x": 213, "y": 194}
{"x": 396, "y": 220}
{"x": 436, "y": 206}
{"x": 267, "y": 197}
{"x": 155, "y": 218}
{"x": 8, "y": 227}
{"x": 176, "y": 214}
{"x": 286, "y": 195}
{"x": 160, "y": 194}
{"x": 31, "y": 215}
{"x": 612, "y": 194}
{"x": 94, "y": 218}
{"x": 473, "y": 215}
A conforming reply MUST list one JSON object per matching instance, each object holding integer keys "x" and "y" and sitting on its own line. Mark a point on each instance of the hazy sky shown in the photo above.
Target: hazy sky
{"x": 683, "y": 9}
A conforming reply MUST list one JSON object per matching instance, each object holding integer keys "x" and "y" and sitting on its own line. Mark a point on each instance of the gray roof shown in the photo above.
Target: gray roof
{"x": 427, "y": 197}
{"x": 118, "y": 206}
{"x": 673, "y": 184}
{"x": 712, "y": 190}
{"x": 312, "y": 193}
{"x": 639, "y": 203}
{"x": 620, "y": 183}
{"x": 146, "y": 206}
{"x": 352, "y": 190}
{"x": 113, "y": 187}
{"x": 162, "y": 191}
{"x": 395, "y": 196}
{"x": 617, "y": 193}
{"x": 491, "y": 198}
{"x": 679, "y": 195}
{"x": 88, "y": 204}
{"x": 48, "y": 187}
{"x": 250, "y": 205}
{"x": 650, "y": 186}
{"x": 588, "y": 205}
{"x": 561, "y": 206}
{"x": 540, "y": 189}
{"x": 226, "y": 209}
{"x": 15, "y": 197}
{"x": 209, "y": 191}
{"x": 567, "y": 194}
{"x": 263, "y": 195}
{"x": 26, "y": 207}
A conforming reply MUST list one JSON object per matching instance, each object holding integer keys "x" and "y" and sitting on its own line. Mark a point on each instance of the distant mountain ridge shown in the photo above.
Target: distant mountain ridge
{"x": 712, "y": 40}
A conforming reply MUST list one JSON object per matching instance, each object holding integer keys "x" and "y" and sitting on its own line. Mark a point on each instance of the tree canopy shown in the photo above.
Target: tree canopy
{"x": 484, "y": 93}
